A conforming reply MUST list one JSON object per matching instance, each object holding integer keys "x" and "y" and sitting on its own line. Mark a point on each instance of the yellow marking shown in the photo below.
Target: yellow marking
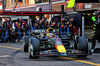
{"x": 94, "y": 28}
{"x": 10, "y": 47}
{"x": 92, "y": 35}
{"x": 88, "y": 14}
{"x": 14, "y": 44}
{"x": 5, "y": 43}
{"x": 71, "y": 3}
{"x": 5, "y": 56}
{"x": 81, "y": 61}
{"x": 83, "y": 13}
{"x": 93, "y": 31}
{"x": 94, "y": 24}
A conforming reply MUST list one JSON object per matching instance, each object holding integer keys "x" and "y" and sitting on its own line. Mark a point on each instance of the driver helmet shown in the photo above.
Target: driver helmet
{"x": 51, "y": 35}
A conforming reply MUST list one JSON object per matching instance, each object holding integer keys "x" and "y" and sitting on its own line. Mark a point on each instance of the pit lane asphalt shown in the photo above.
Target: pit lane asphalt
{"x": 11, "y": 54}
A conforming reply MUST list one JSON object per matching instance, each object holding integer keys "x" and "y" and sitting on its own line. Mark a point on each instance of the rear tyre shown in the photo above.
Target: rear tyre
{"x": 34, "y": 48}
{"x": 82, "y": 46}
{"x": 26, "y": 42}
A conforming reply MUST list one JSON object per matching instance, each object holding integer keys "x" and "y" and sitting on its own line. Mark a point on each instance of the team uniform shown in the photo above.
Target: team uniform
{"x": 96, "y": 29}
{"x": 18, "y": 27}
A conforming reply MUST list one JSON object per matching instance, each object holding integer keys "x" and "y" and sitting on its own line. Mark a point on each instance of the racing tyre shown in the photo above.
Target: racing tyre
{"x": 82, "y": 45}
{"x": 34, "y": 48}
{"x": 26, "y": 42}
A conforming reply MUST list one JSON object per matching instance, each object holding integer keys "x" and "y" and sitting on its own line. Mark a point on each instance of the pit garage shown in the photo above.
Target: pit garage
{"x": 88, "y": 23}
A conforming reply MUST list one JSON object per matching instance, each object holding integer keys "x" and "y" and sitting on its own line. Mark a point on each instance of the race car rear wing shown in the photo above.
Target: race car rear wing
{"x": 38, "y": 31}
{"x": 44, "y": 31}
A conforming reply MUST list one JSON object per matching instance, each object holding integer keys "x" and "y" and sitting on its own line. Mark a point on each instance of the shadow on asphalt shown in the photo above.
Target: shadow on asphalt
{"x": 53, "y": 58}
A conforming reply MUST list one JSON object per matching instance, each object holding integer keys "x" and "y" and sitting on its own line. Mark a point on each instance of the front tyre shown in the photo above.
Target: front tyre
{"x": 82, "y": 45}
{"x": 34, "y": 48}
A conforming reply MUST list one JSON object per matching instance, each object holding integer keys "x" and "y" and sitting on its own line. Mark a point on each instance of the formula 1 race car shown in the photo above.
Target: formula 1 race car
{"x": 48, "y": 42}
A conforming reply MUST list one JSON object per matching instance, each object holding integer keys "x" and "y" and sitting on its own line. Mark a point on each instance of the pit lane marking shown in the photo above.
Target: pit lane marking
{"x": 5, "y": 56}
{"x": 5, "y": 43}
{"x": 11, "y": 47}
{"x": 81, "y": 61}
{"x": 13, "y": 44}
{"x": 60, "y": 57}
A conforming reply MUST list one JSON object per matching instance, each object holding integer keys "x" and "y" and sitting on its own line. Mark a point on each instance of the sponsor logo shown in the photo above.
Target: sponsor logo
{"x": 40, "y": 31}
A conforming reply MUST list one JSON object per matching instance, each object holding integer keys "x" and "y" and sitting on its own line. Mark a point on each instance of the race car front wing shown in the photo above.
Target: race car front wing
{"x": 69, "y": 52}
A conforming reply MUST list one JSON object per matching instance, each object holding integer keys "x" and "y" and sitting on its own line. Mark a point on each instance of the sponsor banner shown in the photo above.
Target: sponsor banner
{"x": 33, "y": 8}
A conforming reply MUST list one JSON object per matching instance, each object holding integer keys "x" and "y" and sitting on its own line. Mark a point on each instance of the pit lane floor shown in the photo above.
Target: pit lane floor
{"x": 11, "y": 54}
